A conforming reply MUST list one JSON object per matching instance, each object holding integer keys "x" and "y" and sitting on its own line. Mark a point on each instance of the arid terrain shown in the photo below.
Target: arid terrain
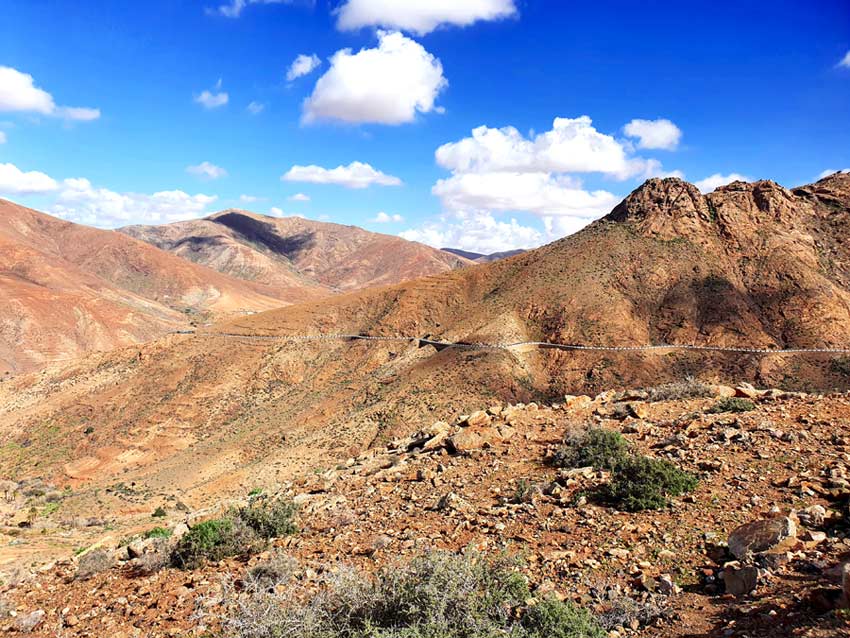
{"x": 188, "y": 421}
{"x": 67, "y": 289}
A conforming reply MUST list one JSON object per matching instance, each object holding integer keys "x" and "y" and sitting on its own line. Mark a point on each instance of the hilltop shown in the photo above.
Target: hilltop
{"x": 296, "y": 251}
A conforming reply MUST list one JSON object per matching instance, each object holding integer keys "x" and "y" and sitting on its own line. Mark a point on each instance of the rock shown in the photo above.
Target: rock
{"x": 466, "y": 441}
{"x": 179, "y": 531}
{"x": 478, "y": 419}
{"x": 576, "y": 402}
{"x": 27, "y": 622}
{"x": 452, "y": 501}
{"x": 136, "y": 549}
{"x": 723, "y": 391}
{"x": 814, "y": 516}
{"x": 637, "y": 410}
{"x": 761, "y": 536}
{"x": 747, "y": 391}
{"x": 740, "y": 581}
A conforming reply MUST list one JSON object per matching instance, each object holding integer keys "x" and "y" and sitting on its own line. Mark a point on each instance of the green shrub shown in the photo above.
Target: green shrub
{"x": 159, "y": 512}
{"x": 270, "y": 518}
{"x": 436, "y": 595}
{"x": 731, "y": 404}
{"x": 642, "y": 483}
{"x": 841, "y": 366}
{"x": 552, "y": 618}
{"x": 214, "y": 540}
{"x": 598, "y": 447}
{"x": 157, "y": 532}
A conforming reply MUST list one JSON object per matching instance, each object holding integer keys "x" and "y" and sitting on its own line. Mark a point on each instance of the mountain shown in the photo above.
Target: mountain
{"x": 749, "y": 265}
{"x": 293, "y": 251}
{"x": 481, "y": 258}
{"x": 67, "y": 289}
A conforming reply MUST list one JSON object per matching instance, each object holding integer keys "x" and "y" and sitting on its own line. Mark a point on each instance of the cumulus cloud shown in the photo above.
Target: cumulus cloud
{"x": 276, "y": 212}
{"x": 302, "y": 65}
{"x": 572, "y": 146}
{"x": 654, "y": 134}
{"x": 299, "y": 197}
{"x": 234, "y": 8}
{"x": 355, "y": 175}
{"x": 249, "y": 199}
{"x": 14, "y": 181}
{"x": 255, "y": 108}
{"x": 475, "y": 232}
{"x": 384, "y": 218}
{"x": 80, "y": 201}
{"x": 18, "y": 93}
{"x": 714, "y": 181}
{"x": 421, "y": 16}
{"x": 389, "y": 84}
{"x": 213, "y": 99}
{"x": 845, "y": 61}
{"x": 207, "y": 170}
{"x": 832, "y": 171}
{"x": 542, "y": 194}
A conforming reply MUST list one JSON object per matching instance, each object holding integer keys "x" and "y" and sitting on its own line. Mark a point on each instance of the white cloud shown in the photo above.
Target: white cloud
{"x": 14, "y": 181}
{"x": 250, "y": 199}
{"x": 79, "y": 201}
{"x": 302, "y": 65}
{"x": 299, "y": 197}
{"x": 384, "y": 218}
{"x": 832, "y": 171}
{"x": 255, "y": 108}
{"x": 206, "y": 170}
{"x": 714, "y": 181}
{"x": 386, "y": 85}
{"x": 476, "y": 232}
{"x": 213, "y": 100}
{"x": 654, "y": 134}
{"x": 420, "y": 16}
{"x": 18, "y": 93}
{"x": 542, "y": 194}
{"x": 276, "y": 212}
{"x": 2, "y": 137}
{"x": 355, "y": 175}
{"x": 845, "y": 61}
{"x": 234, "y": 8}
{"x": 572, "y": 146}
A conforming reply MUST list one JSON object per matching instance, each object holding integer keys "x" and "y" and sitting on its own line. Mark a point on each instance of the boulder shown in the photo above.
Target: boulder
{"x": 466, "y": 441}
{"x": 761, "y": 536}
{"x": 740, "y": 581}
{"x": 747, "y": 391}
{"x": 576, "y": 402}
{"x": 477, "y": 419}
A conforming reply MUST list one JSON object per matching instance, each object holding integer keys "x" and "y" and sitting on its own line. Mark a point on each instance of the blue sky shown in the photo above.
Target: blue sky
{"x": 104, "y": 117}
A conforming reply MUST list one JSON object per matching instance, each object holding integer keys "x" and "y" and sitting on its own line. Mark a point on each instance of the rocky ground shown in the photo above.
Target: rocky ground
{"x": 757, "y": 549}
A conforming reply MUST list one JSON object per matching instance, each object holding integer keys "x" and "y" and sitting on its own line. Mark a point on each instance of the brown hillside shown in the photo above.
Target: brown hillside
{"x": 294, "y": 251}
{"x": 69, "y": 289}
{"x": 750, "y": 264}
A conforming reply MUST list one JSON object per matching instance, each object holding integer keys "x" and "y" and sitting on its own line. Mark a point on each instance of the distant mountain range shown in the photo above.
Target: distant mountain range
{"x": 67, "y": 289}
{"x": 481, "y": 258}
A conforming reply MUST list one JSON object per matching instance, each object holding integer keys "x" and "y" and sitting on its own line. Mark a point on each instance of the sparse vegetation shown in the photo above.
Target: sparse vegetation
{"x": 643, "y": 483}
{"x": 436, "y": 595}
{"x": 159, "y": 512}
{"x": 687, "y": 388}
{"x": 841, "y": 366}
{"x": 601, "y": 448}
{"x": 214, "y": 540}
{"x": 731, "y": 404}
{"x": 157, "y": 532}
{"x": 270, "y": 517}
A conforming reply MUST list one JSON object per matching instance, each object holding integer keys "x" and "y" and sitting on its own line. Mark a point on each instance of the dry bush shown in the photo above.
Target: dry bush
{"x": 93, "y": 563}
{"x": 687, "y": 388}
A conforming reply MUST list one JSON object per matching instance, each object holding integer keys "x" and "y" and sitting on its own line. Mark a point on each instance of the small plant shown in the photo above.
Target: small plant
{"x": 642, "y": 483}
{"x": 88, "y": 430}
{"x": 524, "y": 492}
{"x": 688, "y": 388}
{"x": 159, "y": 512}
{"x": 214, "y": 540}
{"x": 157, "y": 532}
{"x": 600, "y": 448}
{"x": 255, "y": 492}
{"x": 841, "y": 366}
{"x": 552, "y": 618}
{"x": 277, "y": 570}
{"x": 731, "y": 404}
{"x": 270, "y": 518}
